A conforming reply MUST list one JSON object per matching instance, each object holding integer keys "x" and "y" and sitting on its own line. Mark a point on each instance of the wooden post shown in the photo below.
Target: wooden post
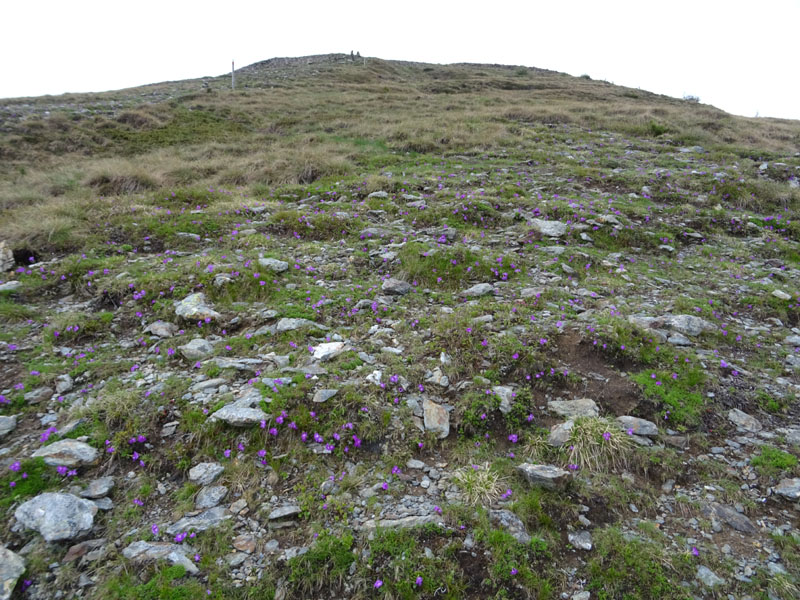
{"x": 233, "y": 77}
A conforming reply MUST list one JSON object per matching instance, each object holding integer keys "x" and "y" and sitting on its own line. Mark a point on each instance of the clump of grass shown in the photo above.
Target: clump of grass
{"x": 39, "y": 478}
{"x": 324, "y": 566}
{"x": 481, "y": 486}
{"x": 598, "y": 444}
{"x": 773, "y": 461}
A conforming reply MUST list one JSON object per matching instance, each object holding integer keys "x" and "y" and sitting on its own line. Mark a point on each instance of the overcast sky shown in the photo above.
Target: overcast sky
{"x": 740, "y": 56}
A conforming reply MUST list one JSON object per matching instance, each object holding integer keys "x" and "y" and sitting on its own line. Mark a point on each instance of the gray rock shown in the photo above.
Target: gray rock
{"x": 328, "y": 350}
{"x": 547, "y": 476}
{"x": 321, "y": 396}
{"x": 287, "y": 324}
{"x": 436, "y": 418}
{"x": 210, "y": 496}
{"x": 549, "y": 228}
{"x": 582, "y": 540}
{"x": 531, "y": 292}
{"x": 69, "y": 453}
{"x": 205, "y": 520}
{"x": 57, "y": 516}
{"x": 239, "y": 415}
{"x": 792, "y": 340}
{"x": 6, "y": 259}
{"x": 240, "y": 364}
{"x": 162, "y": 329}
{"x": 511, "y": 523}
{"x": 789, "y": 488}
{"x": 379, "y": 194}
{"x": 10, "y": 286}
{"x": 403, "y": 522}
{"x": 781, "y": 295}
{"x": 195, "y": 307}
{"x": 40, "y": 394}
{"x": 142, "y": 551}
{"x": 98, "y": 488}
{"x": 11, "y": 566}
{"x": 205, "y": 473}
{"x": 639, "y": 426}
{"x": 506, "y": 395}
{"x": 7, "y": 425}
{"x": 478, "y": 290}
{"x": 273, "y": 264}
{"x": 570, "y": 409}
{"x": 197, "y": 349}
{"x": 413, "y": 463}
{"x": 686, "y": 324}
{"x": 707, "y": 577}
{"x": 104, "y": 504}
{"x": 728, "y": 515}
{"x": 560, "y": 434}
{"x": 744, "y": 421}
{"x": 396, "y": 287}
{"x": 284, "y": 512}
{"x": 64, "y": 383}
{"x": 678, "y": 339}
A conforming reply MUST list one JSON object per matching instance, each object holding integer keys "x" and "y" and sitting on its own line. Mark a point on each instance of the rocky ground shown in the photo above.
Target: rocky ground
{"x": 573, "y": 376}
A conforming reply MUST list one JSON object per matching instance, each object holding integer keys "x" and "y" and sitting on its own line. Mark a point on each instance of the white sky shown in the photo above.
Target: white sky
{"x": 741, "y": 56}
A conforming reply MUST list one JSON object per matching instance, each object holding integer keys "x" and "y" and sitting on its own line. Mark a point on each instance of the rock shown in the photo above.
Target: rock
{"x": 531, "y": 292}
{"x": 98, "y": 488}
{"x": 273, "y": 264}
{"x": 511, "y": 523}
{"x": 378, "y": 194}
{"x": 570, "y": 409}
{"x": 240, "y": 364}
{"x": 141, "y": 551}
{"x": 210, "y": 496}
{"x": 40, "y": 394}
{"x": 162, "y": 329}
{"x": 707, "y": 577}
{"x": 195, "y": 307}
{"x": 728, "y": 515}
{"x": 11, "y": 565}
{"x": 678, "y": 339}
{"x": 7, "y": 425}
{"x": 547, "y": 476}
{"x": 477, "y": 290}
{"x": 506, "y": 395}
{"x": 584, "y": 595}
{"x": 744, "y": 421}
{"x": 437, "y": 377}
{"x": 560, "y": 434}
{"x": 64, "y": 383}
{"x": 781, "y": 295}
{"x": 328, "y": 350}
{"x": 205, "y": 520}
{"x": 68, "y": 453}
{"x": 245, "y": 543}
{"x": 436, "y": 418}
{"x": 205, "y": 473}
{"x": 284, "y": 512}
{"x": 413, "y": 463}
{"x": 239, "y": 414}
{"x": 104, "y": 504}
{"x": 197, "y": 349}
{"x": 287, "y": 324}
{"x": 57, "y": 516}
{"x": 10, "y": 286}
{"x": 639, "y": 426}
{"x": 396, "y": 287}
{"x": 549, "y": 228}
{"x": 321, "y": 396}
{"x": 685, "y": 324}
{"x": 6, "y": 259}
{"x": 582, "y": 540}
{"x": 793, "y": 340}
{"x": 788, "y": 488}
{"x": 403, "y": 522}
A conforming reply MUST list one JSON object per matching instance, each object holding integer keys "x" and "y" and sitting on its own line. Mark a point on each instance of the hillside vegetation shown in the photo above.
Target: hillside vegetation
{"x": 377, "y": 329}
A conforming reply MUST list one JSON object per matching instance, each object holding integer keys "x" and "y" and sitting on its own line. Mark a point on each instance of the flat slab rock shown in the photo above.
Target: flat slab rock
{"x": 728, "y": 515}
{"x": 205, "y": 520}
{"x": 210, "y": 496}
{"x": 403, "y": 522}
{"x": 570, "y": 409}
{"x": 98, "y": 488}
{"x": 478, "y": 290}
{"x": 12, "y": 566}
{"x": 176, "y": 554}
{"x": 548, "y": 476}
{"x": 744, "y": 421}
{"x": 57, "y": 516}
{"x": 284, "y": 512}
{"x": 789, "y": 488}
{"x": 68, "y": 453}
{"x": 205, "y": 473}
{"x": 239, "y": 414}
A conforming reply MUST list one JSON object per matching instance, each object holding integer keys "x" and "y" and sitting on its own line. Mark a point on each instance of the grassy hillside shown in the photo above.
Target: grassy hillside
{"x": 465, "y": 331}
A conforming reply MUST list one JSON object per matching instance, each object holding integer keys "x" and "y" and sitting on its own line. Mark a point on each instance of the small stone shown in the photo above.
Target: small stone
{"x": 560, "y": 434}
{"x": 728, "y": 515}
{"x": 548, "y": 476}
{"x": 570, "y": 409}
{"x": 413, "y": 463}
{"x": 195, "y": 307}
{"x": 511, "y": 523}
{"x": 6, "y": 259}
{"x": 744, "y": 421}
{"x": 289, "y": 324}
{"x": 10, "y": 286}
{"x": 436, "y": 418}
{"x": 707, "y": 577}
{"x": 283, "y": 512}
{"x": 328, "y": 350}
{"x": 7, "y": 425}
{"x": 273, "y": 264}
{"x": 210, "y": 496}
{"x": 57, "y": 516}
{"x": 582, "y": 540}
{"x": 639, "y": 426}
{"x": 396, "y": 287}
{"x": 324, "y": 395}
{"x": 239, "y": 415}
{"x": 781, "y": 295}
{"x": 789, "y": 488}
{"x": 162, "y": 329}
{"x": 549, "y": 228}
{"x": 40, "y": 394}
{"x": 64, "y": 383}
{"x": 245, "y": 543}
{"x": 197, "y": 349}
{"x": 98, "y": 488}
{"x": 205, "y": 473}
{"x": 11, "y": 567}
{"x": 478, "y": 290}
{"x": 68, "y": 453}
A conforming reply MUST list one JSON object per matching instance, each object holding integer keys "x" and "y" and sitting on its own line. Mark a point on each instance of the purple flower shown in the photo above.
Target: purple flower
{"x": 378, "y": 584}
{"x": 418, "y": 581}
{"x": 606, "y": 436}
{"x": 154, "y": 529}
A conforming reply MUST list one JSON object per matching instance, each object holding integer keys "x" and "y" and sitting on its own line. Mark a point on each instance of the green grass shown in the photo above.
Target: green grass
{"x": 772, "y": 461}
{"x": 40, "y": 478}
{"x": 680, "y": 399}
{"x": 324, "y": 566}
{"x": 163, "y": 585}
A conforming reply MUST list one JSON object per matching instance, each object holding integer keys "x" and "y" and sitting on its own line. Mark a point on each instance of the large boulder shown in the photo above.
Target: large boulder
{"x": 57, "y": 516}
{"x": 68, "y": 453}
